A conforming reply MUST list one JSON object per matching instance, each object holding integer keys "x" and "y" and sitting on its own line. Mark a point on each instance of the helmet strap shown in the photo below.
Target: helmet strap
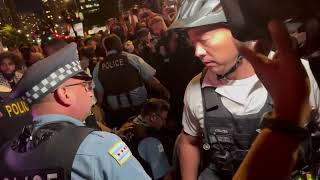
{"x": 232, "y": 70}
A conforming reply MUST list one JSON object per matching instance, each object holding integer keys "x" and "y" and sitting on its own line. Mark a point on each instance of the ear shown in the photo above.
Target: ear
{"x": 62, "y": 95}
{"x": 152, "y": 117}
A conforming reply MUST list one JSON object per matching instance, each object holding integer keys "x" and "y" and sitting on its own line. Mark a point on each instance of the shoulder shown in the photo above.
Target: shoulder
{"x": 97, "y": 142}
{"x": 150, "y": 141}
{"x": 133, "y": 57}
{"x": 130, "y": 55}
{"x": 193, "y": 90}
{"x": 150, "y": 146}
{"x": 306, "y": 65}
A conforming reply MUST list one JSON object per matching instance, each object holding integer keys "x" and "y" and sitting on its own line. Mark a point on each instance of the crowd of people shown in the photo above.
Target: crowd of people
{"x": 130, "y": 88}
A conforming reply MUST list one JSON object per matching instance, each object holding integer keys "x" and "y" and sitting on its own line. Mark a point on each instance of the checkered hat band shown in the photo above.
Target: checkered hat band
{"x": 52, "y": 82}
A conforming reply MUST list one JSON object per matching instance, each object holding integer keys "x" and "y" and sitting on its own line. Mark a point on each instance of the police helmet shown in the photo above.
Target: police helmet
{"x": 194, "y": 13}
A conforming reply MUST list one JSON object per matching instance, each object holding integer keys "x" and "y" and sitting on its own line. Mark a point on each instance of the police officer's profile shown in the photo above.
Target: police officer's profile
{"x": 224, "y": 104}
{"x": 58, "y": 145}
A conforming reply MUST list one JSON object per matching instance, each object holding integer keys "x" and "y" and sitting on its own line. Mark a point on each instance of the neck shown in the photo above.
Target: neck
{"x": 47, "y": 108}
{"x": 244, "y": 71}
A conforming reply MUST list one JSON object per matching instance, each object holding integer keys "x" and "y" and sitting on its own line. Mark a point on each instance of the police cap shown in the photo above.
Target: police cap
{"x": 46, "y": 75}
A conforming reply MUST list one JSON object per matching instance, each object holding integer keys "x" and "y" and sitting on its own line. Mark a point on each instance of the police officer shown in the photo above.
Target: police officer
{"x": 224, "y": 104}
{"x": 14, "y": 116}
{"x": 146, "y": 142}
{"x": 59, "y": 146}
{"x": 120, "y": 82}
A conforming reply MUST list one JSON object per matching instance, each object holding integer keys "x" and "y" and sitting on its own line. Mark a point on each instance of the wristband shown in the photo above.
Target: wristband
{"x": 285, "y": 127}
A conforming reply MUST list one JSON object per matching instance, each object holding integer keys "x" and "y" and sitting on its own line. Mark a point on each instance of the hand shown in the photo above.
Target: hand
{"x": 125, "y": 128}
{"x": 284, "y": 77}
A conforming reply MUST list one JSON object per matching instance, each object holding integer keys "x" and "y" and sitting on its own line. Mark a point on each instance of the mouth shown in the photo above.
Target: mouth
{"x": 209, "y": 63}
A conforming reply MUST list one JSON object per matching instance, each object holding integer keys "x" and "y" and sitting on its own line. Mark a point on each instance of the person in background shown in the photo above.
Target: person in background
{"x": 118, "y": 29}
{"x": 154, "y": 5}
{"x": 121, "y": 81}
{"x": 146, "y": 143}
{"x": 1, "y": 47}
{"x": 129, "y": 47}
{"x": 145, "y": 47}
{"x": 9, "y": 66}
{"x": 90, "y": 42}
{"x": 36, "y": 48}
{"x": 157, "y": 26}
{"x": 53, "y": 46}
{"x": 30, "y": 57}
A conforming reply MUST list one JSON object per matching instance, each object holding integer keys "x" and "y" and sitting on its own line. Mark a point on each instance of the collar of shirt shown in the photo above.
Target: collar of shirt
{"x": 111, "y": 52}
{"x": 235, "y": 90}
{"x": 139, "y": 120}
{"x": 53, "y": 118}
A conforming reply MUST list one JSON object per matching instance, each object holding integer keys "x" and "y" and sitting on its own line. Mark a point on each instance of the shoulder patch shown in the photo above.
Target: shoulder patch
{"x": 160, "y": 148}
{"x": 120, "y": 152}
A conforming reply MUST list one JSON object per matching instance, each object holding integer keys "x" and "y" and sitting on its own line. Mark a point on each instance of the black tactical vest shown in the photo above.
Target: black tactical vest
{"x": 14, "y": 115}
{"x": 49, "y": 155}
{"x": 227, "y": 137}
{"x": 118, "y": 76}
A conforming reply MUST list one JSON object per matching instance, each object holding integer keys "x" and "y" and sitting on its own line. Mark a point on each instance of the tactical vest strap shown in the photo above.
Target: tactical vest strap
{"x": 207, "y": 104}
{"x": 52, "y": 151}
{"x": 72, "y": 136}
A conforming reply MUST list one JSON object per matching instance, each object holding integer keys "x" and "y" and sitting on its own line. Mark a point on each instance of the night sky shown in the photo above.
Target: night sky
{"x": 28, "y": 5}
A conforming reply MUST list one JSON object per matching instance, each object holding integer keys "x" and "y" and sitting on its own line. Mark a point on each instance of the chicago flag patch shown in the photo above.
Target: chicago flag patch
{"x": 120, "y": 152}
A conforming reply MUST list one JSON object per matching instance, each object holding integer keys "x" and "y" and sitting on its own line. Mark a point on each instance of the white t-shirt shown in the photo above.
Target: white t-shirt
{"x": 240, "y": 97}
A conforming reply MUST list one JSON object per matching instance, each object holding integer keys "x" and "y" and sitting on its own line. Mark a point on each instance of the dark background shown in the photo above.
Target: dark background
{"x": 28, "y": 5}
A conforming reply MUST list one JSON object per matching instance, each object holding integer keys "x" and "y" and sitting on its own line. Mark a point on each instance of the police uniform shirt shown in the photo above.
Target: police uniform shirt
{"x": 151, "y": 150}
{"x": 240, "y": 97}
{"x": 138, "y": 95}
{"x": 96, "y": 157}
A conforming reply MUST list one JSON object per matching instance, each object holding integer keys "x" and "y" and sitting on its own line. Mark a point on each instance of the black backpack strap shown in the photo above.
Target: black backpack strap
{"x": 65, "y": 144}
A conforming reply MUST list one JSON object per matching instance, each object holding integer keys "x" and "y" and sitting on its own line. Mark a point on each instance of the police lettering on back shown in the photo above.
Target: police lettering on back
{"x": 49, "y": 175}
{"x": 112, "y": 64}
{"x": 16, "y": 108}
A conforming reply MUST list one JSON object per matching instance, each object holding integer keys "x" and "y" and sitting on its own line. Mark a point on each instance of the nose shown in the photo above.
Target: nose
{"x": 199, "y": 50}
{"x": 91, "y": 93}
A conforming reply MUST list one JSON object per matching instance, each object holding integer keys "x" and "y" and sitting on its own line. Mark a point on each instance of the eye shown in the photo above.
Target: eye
{"x": 205, "y": 42}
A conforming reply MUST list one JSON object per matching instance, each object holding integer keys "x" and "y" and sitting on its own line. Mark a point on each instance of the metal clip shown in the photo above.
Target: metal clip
{"x": 206, "y": 146}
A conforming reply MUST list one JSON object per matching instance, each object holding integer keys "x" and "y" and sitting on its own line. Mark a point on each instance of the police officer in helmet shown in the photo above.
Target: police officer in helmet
{"x": 58, "y": 145}
{"x": 224, "y": 104}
